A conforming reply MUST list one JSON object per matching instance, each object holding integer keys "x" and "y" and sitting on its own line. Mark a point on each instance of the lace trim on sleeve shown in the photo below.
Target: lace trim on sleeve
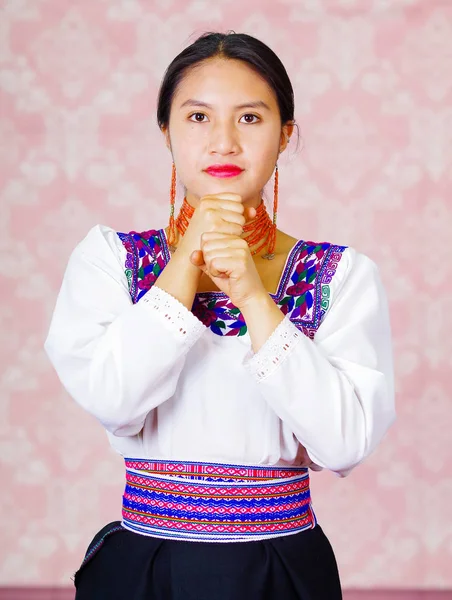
{"x": 178, "y": 318}
{"x": 275, "y": 350}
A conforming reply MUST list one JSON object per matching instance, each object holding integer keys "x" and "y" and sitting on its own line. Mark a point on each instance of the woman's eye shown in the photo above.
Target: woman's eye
{"x": 249, "y": 118}
{"x": 197, "y": 117}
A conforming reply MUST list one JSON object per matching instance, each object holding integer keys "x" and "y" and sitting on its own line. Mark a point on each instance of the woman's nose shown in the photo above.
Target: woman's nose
{"x": 224, "y": 139}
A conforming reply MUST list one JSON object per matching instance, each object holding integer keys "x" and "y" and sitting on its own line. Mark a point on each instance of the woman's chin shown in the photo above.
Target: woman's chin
{"x": 227, "y": 184}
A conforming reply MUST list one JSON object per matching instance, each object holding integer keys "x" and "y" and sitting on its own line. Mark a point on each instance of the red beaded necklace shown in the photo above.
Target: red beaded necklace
{"x": 259, "y": 232}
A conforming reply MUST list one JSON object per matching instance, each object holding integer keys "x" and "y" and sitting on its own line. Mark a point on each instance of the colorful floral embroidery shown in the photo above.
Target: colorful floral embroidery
{"x": 144, "y": 261}
{"x": 219, "y": 314}
{"x": 303, "y": 291}
{"x": 304, "y": 300}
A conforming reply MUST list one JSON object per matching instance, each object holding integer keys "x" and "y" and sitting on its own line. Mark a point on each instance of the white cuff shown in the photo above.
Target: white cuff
{"x": 179, "y": 320}
{"x": 275, "y": 350}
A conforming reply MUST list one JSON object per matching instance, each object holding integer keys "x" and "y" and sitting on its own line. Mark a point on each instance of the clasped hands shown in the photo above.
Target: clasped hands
{"x": 224, "y": 255}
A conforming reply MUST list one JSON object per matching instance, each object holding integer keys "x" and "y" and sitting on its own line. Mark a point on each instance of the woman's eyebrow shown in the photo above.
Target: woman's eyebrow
{"x": 198, "y": 103}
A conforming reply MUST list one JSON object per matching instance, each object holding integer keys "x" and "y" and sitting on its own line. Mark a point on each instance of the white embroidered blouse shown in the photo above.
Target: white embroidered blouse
{"x": 172, "y": 384}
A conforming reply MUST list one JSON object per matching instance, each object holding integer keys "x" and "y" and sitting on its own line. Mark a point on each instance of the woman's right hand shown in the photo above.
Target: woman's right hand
{"x": 219, "y": 213}
{"x": 222, "y": 213}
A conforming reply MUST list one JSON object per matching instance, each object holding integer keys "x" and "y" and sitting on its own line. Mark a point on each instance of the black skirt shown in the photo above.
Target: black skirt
{"x": 122, "y": 565}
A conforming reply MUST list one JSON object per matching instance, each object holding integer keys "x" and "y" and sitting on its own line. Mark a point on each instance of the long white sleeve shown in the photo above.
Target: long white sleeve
{"x": 335, "y": 392}
{"x": 118, "y": 360}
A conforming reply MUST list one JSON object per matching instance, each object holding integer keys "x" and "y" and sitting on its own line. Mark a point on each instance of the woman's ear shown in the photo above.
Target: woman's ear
{"x": 286, "y": 133}
{"x": 166, "y": 135}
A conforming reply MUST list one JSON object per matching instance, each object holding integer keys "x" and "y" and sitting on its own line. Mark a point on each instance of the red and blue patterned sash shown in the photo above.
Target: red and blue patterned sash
{"x": 215, "y": 502}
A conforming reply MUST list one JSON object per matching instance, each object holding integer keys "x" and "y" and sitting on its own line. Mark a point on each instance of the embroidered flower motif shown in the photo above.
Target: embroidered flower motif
{"x": 204, "y": 314}
{"x": 147, "y": 282}
{"x": 299, "y": 288}
{"x": 308, "y": 270}
{"x": 219, "y": 314}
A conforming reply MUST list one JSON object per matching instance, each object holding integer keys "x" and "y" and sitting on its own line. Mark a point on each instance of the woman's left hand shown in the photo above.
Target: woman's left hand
{"x": 227, "y": 260}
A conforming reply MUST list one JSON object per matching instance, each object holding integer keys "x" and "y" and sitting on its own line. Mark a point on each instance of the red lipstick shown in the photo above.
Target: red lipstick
{"x": 224, "y": 170}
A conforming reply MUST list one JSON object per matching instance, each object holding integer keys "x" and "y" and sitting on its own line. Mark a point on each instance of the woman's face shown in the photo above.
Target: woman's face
{"x": 224, "y": 113}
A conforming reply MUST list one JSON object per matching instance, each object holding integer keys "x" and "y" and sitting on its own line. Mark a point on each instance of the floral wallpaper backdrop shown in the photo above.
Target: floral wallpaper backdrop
{"x": 79, "y": 145}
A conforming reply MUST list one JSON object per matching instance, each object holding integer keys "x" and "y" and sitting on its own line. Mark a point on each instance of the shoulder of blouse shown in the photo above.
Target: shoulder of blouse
{"x": 357, "y": 275}
{"x": 358, "y": 264}
{"x": 350, "y": 274}
{"x": 103, "y": 242}
{"x": 343, "y": 267}
{"x": 353, "y": 263}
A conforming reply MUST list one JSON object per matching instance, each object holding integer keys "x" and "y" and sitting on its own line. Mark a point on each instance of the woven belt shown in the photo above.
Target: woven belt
{"x": 215, "y": 502}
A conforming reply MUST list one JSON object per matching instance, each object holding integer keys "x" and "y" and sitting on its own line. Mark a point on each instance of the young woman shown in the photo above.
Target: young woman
{"x": 223, "y": 357}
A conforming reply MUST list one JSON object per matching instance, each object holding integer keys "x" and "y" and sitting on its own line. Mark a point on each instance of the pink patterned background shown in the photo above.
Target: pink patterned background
{"x": 79, "y": 145}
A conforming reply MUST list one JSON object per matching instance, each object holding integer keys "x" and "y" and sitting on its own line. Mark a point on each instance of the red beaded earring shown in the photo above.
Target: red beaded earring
{"x": 172, "y": 225}
{"x": 272, "y": 235}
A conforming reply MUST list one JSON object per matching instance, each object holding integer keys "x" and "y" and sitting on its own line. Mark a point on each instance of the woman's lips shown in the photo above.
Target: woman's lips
{"x": 224, "y": 170}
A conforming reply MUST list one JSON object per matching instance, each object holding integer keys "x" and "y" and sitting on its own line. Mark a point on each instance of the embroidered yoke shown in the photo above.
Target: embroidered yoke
{"x": 303, "y": 292}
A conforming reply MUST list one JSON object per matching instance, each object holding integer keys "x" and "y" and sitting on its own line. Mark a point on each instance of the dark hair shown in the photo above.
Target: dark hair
{"x": 239, "y": 46}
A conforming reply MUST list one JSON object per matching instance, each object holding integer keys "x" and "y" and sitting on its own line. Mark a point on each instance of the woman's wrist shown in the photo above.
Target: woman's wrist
{"x": 181, "y": 257}
{"x": 180, "y": 278}
{"x": 262, "y": 316}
